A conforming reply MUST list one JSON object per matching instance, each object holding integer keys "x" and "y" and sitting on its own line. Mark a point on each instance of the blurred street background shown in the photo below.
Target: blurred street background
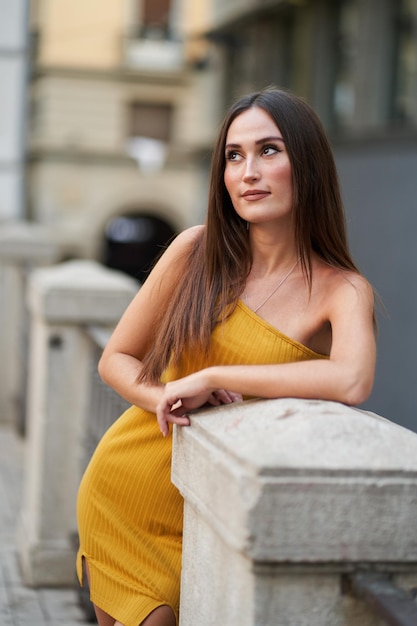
{"x": 108, "y": 113}
{"x": 21, "y": 605}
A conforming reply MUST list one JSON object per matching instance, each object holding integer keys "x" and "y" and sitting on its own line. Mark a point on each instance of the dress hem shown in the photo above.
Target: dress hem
{"x": 146, "y": 604}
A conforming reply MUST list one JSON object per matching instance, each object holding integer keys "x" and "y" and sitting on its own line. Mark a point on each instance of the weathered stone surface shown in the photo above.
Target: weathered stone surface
{"x": 26, "y": 242}
{"x": 19, "y": 605}
{"x": 63, "y": 299}
{"x": 296, "y": 480}
{"x": 80, "y": 291}
{"x": 282, "y": 497}
{"x": 23, "y": 246}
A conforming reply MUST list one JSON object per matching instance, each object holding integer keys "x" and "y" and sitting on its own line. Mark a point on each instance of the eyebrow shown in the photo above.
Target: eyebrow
{"x": 257, "y": 142}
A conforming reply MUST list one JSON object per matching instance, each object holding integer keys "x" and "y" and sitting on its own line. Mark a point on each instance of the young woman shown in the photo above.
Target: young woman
{"x": 264, "y": 300}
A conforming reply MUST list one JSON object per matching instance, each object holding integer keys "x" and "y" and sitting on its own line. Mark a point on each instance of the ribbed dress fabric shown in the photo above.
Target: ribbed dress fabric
{"x": 129, "y": 512}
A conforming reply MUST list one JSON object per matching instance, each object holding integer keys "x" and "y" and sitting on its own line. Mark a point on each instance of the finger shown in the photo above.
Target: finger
{"x": 232, "y": 396}
{"x": 183, "y": 420}
{"x": 162, "y": 412}
{"x": 163, "y": 425}
{"x": 213, "y": 400}
{"x": 167, "y": 413}
{"x": 226, "y": 397}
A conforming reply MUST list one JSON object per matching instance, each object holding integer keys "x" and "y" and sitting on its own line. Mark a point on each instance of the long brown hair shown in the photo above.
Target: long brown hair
{"x": 220, "y": 260}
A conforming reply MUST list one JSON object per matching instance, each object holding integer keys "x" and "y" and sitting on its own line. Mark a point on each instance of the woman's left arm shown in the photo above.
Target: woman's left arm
{"x": 347, "y": 376}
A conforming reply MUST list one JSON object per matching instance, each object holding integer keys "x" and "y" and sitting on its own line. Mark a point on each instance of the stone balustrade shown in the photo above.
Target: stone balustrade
{"x": 283, "y": 499}
{"x": 23, "y": 246}
{"x": 62, "y": 300}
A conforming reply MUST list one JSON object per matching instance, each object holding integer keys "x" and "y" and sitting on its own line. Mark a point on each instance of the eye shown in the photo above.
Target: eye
{"x": 270, "y": 149}
{"x": 232, "y": 155}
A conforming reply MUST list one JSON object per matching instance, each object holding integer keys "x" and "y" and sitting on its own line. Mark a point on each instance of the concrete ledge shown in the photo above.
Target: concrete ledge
{"x": 80, "y": 291}
{"x": 283, "y": 497}
{"x": 302, "y": 481}
{"x": 27, "y": 242}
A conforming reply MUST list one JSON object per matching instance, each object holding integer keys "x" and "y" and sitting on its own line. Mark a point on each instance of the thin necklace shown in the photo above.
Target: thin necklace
{"x": 282, "y": 281}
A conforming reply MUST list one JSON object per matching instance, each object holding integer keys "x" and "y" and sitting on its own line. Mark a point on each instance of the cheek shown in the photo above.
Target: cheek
{"x": 283, "y": 175}
{"x": 230, "y": 180}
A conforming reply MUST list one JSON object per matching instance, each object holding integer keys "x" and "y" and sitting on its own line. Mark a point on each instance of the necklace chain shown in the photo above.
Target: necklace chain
{"x": 281, "y": 282}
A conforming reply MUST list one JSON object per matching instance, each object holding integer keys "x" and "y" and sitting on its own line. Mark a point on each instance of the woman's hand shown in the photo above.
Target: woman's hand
{"x": 186, "y": 394}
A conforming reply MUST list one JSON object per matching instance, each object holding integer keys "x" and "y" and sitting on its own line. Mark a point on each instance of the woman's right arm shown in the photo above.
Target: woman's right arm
{"x": 121, "y": 362}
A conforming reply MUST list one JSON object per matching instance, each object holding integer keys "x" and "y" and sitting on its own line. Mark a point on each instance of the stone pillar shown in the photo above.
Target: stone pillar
{"x": 61, "y": 301}
{"x": 282, "y": 499}
{"x": 23, "y": 246}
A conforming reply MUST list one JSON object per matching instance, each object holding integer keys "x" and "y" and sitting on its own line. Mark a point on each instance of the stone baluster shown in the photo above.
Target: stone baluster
{"x": 61, "y": 300}
{"x": 23, "y": 246}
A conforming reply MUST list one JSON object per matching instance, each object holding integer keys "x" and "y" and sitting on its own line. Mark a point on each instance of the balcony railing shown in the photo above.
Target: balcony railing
{"x": 153, "y": 53}
{"x": 104, "y": 405}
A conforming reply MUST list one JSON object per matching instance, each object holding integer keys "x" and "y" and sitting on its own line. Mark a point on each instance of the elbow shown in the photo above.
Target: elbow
{"x": 102, "y": 367}
{"x": 357, "y": 390}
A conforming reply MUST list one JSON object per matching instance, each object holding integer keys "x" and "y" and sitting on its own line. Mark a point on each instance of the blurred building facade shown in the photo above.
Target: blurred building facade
{"x": 13, "y": 72}
{"x": 126, "y": 97}
{"x": 355, "y": 61}
{"x": 115, "y": 129}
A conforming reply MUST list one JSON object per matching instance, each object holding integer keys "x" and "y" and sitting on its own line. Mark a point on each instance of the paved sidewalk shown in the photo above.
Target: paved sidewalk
{"x": 20, "y": 605}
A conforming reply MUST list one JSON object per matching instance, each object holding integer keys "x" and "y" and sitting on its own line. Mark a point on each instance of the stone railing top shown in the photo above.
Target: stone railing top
{"x": 296, "y": 436}
{"x": 301, "y": 481}
{"x": 80, "y": 292}
{"x": 27, "y": 242}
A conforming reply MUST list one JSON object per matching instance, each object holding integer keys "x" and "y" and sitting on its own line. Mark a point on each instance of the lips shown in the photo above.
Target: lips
{"x": 255, "y": 194}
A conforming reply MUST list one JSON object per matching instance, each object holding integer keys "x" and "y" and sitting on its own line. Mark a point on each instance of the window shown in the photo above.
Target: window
{"x": 344, "y": 89}
{"x": 259, "y": 53}
{"x": 149, "y": 132}
{"x": 153, "y": 16}
{"x": 404, "y": 105}
{"x": 150, "y": 120}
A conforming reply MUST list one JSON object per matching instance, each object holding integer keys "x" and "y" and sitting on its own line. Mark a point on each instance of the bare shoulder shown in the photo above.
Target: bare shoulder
{"x": 191, "y": 234}
{"x": 345, "y": 287}
{"x": 354, "y": 283}
{"x": 181, "y": 245}
{"x": 173, "y": 262}
{"x": 185, "y": 240}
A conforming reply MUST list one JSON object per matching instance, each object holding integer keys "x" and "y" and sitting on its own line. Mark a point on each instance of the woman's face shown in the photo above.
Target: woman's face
{"x": 258, "y": 170}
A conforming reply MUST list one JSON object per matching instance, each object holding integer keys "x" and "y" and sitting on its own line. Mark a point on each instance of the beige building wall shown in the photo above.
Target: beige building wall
{"x": 88, "y": 112}
{"x": 81, "y": 33}
{"x": 89, "y": 195}
{"x": 87, "y": 73}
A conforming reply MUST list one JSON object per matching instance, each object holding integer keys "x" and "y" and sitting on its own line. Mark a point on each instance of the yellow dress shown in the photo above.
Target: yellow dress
{"x": 129, "y": 512}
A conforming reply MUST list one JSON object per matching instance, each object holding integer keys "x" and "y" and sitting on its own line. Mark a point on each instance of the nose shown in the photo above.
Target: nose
{"x": 251, "y": 172}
